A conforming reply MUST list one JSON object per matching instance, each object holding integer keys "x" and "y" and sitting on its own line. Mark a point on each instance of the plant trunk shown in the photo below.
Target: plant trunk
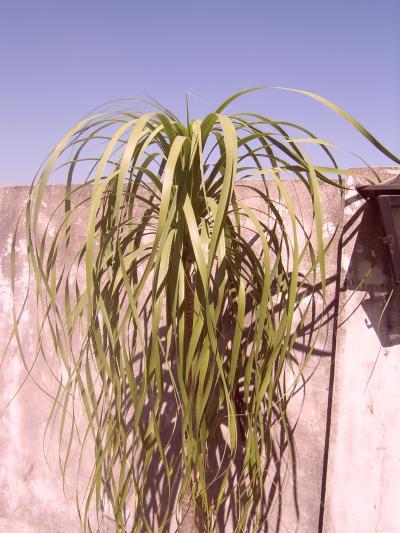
{"x": 188, "y": 506}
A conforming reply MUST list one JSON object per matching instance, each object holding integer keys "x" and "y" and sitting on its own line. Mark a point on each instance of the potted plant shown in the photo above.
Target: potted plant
{"x": 174, "y": 318}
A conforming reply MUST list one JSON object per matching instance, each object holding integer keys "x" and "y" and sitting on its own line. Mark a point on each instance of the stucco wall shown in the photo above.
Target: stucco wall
{"x": 359, "y": 425}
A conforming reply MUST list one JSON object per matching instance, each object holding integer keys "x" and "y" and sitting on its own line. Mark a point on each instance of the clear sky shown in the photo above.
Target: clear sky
{"x": 60, "y": 59}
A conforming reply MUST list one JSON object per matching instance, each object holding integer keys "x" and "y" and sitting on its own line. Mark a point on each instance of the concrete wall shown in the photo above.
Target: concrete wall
{"x": 346, "y": 432}
{"x": 363, "y": 482}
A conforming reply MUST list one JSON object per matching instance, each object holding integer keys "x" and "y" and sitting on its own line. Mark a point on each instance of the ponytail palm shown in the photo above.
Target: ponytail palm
{"x": 175, "y": 318}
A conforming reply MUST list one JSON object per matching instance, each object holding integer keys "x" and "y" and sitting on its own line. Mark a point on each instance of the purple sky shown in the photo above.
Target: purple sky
{"x": 61, "y": 59}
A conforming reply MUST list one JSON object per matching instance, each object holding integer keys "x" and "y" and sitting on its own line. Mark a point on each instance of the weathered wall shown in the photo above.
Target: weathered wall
{"x": 363, "y": 482}
{"x": 31, "y": 493}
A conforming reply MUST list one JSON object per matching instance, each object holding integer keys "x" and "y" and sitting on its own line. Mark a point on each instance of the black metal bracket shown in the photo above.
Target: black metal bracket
{"x": 387, "y": 196}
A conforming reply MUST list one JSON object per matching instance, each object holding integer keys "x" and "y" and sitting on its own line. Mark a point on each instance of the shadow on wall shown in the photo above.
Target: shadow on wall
{"x": 160, "y": 495}
{"x": 370, "y": 270}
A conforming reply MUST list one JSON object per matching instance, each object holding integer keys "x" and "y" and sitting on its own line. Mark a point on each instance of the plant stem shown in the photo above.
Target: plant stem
{"x": 188, "y": 506}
